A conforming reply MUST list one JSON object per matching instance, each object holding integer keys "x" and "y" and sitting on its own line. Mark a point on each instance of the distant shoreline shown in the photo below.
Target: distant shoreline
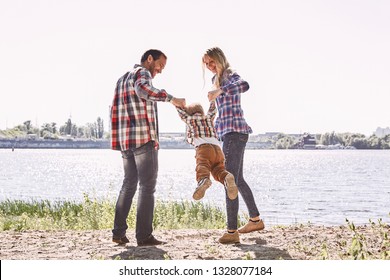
{"x": 165, "y": 143}
{"x": 53, "y": 144}
{"x": 90, "y": 144}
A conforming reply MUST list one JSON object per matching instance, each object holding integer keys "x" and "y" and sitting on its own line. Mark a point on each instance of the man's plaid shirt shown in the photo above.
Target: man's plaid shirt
{"x": 199, "y": 126}
{"x": 134, "y": 119}
{"x": 230, "y": 114}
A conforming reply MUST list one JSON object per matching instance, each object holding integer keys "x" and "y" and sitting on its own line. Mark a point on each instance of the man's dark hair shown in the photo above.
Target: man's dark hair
{"x": 156, "y": 54}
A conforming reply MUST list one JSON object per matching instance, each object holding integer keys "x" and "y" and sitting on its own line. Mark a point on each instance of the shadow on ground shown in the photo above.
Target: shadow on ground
{"x": 140, "y": 253}
{"x": 263, "y": 252}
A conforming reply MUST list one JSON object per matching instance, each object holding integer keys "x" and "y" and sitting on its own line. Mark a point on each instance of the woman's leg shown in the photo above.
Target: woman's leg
{"x": 234, "y": 147}
{"x": 245, "y": 190}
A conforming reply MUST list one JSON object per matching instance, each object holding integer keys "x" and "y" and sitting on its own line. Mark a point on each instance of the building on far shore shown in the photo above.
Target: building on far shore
{"x": 307, "y": 142}
{"x": 382, "y": 132}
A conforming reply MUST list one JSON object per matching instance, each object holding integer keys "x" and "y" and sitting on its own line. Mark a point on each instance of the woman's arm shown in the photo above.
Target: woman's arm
{"x": 234, "y": 84}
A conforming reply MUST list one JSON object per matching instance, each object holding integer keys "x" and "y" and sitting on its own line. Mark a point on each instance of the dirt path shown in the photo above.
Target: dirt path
{"x": 293, "y": 242}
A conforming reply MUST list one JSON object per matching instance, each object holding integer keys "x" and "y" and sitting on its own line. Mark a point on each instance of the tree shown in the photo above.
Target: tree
{"x": 331, "y": 138}
{"x": 283, "y": 141}
{"x": 90, "y": 130}
{"x": 28, "y": 126}
{"x": 80, "y": 132}
{"x": 68, "y": 127}
{"x": 49, "y": 131}
{"x": 359, "y": 143}
{"x": 374, "y": 142}
{"x": 100, "y": 128}
{"x": 73, "y": 131}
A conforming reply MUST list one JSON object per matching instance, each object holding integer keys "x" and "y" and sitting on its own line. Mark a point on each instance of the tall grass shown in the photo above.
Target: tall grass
{"x": 99, "y": 214}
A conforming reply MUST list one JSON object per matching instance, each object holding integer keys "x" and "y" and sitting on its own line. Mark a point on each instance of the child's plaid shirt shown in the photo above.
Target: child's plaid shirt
{"x": 198, "y": 125}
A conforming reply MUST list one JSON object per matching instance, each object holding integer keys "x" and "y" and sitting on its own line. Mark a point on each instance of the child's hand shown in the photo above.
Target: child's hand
{"x": 212, "y": 95}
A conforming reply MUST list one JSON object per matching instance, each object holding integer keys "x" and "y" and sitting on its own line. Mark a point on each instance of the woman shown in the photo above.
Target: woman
{"x": 233, "y": 130}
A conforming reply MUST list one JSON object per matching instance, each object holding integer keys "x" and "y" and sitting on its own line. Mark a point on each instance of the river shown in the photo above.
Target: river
{"x": 290, "y": 186}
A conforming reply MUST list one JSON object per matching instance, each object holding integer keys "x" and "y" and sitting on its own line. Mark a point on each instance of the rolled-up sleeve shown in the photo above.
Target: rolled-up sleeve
{"x": 145, "y": 90}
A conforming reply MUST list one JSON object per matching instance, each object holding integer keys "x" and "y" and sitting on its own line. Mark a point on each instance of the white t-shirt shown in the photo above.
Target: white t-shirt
{"x": 205, "y": 140}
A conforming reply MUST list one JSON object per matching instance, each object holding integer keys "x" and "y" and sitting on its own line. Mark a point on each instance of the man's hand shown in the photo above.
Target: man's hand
{"x": 212, "y": 95}
{"x": 179, "y": 102}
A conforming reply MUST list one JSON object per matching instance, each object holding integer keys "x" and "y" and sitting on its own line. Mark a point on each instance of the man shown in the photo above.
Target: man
{"x": 134, "y": 132}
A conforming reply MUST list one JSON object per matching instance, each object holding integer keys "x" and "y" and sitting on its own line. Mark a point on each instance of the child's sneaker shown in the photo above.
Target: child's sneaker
{"x": 231, "y": 187}
{"x": 203, "y": 185}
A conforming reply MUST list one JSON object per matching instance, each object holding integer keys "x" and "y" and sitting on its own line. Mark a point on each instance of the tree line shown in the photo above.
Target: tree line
{"x": 52, "y": 131}
{"x": 96, "y": 130}
{"x": 356, "y": 140}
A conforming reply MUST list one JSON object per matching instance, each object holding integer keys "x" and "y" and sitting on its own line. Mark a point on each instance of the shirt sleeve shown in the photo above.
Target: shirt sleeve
{"x": 145, "y": 90}
{"x": 212, "y": 110}
{"x": 234, "y": 84}
{"x": 183, "y": 114}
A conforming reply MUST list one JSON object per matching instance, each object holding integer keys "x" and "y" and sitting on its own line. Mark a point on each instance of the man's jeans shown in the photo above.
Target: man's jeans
{"x": 234, "y": 147}
{"x": 140, "y": 166}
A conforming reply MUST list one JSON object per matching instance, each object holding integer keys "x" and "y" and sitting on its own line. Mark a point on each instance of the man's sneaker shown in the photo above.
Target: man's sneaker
{"x": 252, "y": 226}
{"x": 231, "y": 187}
{"x": 120, "y": 240}
{"x": 203, "y": 185}
{"x": 150, "y": 241}
{"x": 229, "y": 238}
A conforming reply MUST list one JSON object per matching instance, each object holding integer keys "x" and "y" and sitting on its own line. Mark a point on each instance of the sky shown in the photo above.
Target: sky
{"x": 312, "y": 66}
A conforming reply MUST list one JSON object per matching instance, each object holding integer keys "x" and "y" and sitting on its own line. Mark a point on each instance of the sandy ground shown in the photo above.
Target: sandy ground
{"x": 293, "y": 242}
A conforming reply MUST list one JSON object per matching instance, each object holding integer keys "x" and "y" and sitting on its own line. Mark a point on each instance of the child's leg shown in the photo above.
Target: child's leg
{"x": 203, "y": 164}
{"x": 218, "y": 166}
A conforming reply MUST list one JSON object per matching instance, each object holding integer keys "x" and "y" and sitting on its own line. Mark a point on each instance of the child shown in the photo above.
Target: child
{"x": 209, "y": 156}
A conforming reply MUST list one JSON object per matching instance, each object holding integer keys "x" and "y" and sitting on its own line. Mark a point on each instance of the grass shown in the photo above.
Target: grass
{"x": 364, "y": 242}
{"x": 358, "y": 243}
{"x": 93, "y": 214}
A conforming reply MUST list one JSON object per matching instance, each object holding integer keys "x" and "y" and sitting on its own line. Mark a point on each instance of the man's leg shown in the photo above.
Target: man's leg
{"x": 126, "y": 195}
{"x": 146, "y": 158}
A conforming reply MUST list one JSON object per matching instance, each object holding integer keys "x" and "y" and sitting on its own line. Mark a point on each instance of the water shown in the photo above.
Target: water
{"x": 290, "y": 186}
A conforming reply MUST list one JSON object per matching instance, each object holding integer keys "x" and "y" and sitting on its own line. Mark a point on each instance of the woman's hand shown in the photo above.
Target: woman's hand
{"x": 212, "y": 95}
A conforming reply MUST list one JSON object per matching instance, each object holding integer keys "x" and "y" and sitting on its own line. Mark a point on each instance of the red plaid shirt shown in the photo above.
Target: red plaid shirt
{"x": 199, "y": 126}
{"x": 134, "y": 119}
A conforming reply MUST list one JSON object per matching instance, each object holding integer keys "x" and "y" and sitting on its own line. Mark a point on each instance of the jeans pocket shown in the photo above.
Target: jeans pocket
{"x": 243, "y": 137}
{"x": 144, "y": 148}
{"x": 126, "y": 154}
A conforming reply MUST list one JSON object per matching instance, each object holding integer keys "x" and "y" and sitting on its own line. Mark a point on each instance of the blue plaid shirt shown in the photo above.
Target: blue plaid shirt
{"x": 230, "y": 114}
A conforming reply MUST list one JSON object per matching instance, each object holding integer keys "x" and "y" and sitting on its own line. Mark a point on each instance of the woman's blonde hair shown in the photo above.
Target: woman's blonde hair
{"x": 220, "y": 59}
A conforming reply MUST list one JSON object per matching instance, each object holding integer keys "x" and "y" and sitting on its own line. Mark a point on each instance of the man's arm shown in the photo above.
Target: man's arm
{"x": 178, "y": 102}
{"x": 145, "y": 90}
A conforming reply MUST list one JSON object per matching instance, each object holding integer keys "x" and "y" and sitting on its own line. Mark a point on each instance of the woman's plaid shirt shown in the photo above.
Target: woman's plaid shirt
{"x": 198, "y": 125}
{"x": 134, "y": 119}
{"x": 230, "y": 114}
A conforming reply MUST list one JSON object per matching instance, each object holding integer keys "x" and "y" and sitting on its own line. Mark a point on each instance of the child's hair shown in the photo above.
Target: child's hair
{"x": 194, "y": 108}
